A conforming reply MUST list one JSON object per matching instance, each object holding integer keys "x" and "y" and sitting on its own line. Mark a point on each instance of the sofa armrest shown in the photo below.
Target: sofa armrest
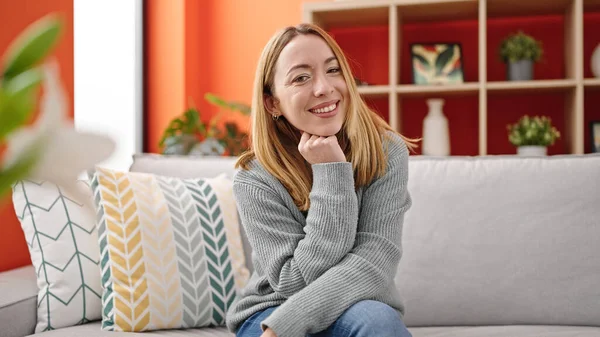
{"x": 18, "y": 302}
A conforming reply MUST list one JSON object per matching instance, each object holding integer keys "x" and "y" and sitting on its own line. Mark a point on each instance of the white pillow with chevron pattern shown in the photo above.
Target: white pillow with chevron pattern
{"x": 171, "y": 250}
{"x": 63, "y": 245}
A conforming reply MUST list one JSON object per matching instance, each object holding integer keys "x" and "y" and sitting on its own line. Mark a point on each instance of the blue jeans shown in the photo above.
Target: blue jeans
{"x": 363, "y": 319}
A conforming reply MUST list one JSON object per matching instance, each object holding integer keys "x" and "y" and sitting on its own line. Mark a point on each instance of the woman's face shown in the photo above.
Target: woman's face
{"x": 309, "y": 88}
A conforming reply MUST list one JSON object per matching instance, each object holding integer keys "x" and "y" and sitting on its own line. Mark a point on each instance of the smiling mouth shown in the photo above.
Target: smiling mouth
{"x": 326, "y": 109}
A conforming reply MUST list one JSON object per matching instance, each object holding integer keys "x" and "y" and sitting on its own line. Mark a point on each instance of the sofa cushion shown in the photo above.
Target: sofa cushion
{"x": 191, "y": 167}
{"x": 170, "y": 250}
{"x": 94, "y": 330}
{"x": 18, "y": 302}
{"x": 63, "y": 243}
{"x": 507, "y": 331}
{"x": 502, "y": 240}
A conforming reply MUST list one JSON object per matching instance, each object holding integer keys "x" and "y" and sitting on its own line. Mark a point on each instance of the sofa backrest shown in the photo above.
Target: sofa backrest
{"x": 502, "y": 240}
{"x": 488, "y": 241}
{"x": 183, "y": 166}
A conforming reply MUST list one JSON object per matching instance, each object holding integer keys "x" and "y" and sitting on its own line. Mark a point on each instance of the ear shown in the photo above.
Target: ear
{"x": 271, "y": 104}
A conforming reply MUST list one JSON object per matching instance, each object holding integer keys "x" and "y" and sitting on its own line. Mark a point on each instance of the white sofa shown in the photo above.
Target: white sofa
{"x": 499, "y": 246}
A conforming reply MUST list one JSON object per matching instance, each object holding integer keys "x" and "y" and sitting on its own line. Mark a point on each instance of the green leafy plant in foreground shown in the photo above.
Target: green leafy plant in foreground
{"x": 20, "y": 78}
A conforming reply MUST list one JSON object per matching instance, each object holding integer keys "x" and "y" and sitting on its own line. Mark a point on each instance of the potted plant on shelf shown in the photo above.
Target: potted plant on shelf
{"x": 532, "y": 136}
{"x": 519, "y": 51}
{"x": 188, "y": 135}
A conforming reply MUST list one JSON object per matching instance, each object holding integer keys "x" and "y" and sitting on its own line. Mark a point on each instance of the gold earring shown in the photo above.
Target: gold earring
{"x": 275, "y": 117}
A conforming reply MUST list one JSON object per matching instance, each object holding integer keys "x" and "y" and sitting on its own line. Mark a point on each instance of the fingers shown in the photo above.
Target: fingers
{"x": 308, "y": 141}
{"x": 318, "y": 149}
{"x": 305, "y": 137}
{"x": 314, "y": 141}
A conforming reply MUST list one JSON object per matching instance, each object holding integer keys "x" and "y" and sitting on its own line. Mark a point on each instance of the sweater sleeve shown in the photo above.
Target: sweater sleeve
{"x": 366, "y": 272}
{"x": 293, "y": 256}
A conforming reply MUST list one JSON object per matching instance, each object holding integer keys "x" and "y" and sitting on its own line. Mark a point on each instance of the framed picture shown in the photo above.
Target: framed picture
{"x": 595, "y": 135}
{"x": 437, "y": 63}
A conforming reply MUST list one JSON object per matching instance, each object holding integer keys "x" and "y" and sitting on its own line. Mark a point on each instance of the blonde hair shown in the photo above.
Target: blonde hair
{"x": 274, "y": 143}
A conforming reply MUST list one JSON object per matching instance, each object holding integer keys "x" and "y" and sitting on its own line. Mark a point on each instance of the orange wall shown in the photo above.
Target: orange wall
{"x": 15, "y": 17}
{"x": 239, "y": 37}
{"x": 164, "y": 58}
{"x": 223, "y": 42}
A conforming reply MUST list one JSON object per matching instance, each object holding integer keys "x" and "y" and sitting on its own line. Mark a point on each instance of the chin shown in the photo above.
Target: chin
{"x": 326, "y": 131}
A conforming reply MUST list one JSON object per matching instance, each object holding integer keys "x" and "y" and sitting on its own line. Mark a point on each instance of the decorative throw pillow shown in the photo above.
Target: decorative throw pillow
{"x": 167, "y": 250}
{"x": 63, "y": 244}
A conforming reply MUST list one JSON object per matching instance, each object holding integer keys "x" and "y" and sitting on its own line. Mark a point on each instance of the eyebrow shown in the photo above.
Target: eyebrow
{"x": 332, "y": 58}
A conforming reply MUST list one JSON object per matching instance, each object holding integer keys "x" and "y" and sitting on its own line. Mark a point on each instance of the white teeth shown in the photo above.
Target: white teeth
{"x": 325, "y": 109}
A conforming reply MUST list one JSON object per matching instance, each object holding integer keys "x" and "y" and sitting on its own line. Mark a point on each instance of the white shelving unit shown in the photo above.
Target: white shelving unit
{"x": 394, "y": 13}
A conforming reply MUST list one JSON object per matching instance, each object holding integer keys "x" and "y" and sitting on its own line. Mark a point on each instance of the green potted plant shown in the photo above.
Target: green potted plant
{"x": 180, "y": 135}
{"x": 189, "y": 135}
{"x": 532, "y": 136}
{"x": 519, "y": 51}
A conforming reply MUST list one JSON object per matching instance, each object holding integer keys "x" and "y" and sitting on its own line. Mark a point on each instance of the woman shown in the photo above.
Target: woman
{"x": 321, "y": 195}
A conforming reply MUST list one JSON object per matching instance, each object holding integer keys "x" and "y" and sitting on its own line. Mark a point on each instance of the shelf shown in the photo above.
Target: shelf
{"x": 504, "y": 110}
{"x": 436, "y": 10}
{"x": 349, "y": 13}
{"x": 461, "y": 112}
{"x": 536, "y": 86}
{"x": 374, "y": 90}
{"x": 592, "y": 83}
{"x": 411, "y": 90}
{"x": 377, "y": 35}
{"x": 497, "y": 8}
{"x": 376, "y": 12}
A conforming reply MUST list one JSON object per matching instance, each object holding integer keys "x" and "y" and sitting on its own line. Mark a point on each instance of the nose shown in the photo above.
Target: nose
{"x": 322, "y": 86}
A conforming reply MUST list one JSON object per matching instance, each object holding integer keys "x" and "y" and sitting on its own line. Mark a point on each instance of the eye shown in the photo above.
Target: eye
{"x": 333, "y": 70}
{"x": 300, "y": 79}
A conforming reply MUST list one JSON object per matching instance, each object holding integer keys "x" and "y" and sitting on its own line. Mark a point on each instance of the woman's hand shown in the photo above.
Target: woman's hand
{"x": 318, "y": 150}
{"x": 268, "y": 333}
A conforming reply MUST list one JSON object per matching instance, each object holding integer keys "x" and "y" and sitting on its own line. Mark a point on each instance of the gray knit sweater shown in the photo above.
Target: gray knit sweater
{"x": 345, "y": 250}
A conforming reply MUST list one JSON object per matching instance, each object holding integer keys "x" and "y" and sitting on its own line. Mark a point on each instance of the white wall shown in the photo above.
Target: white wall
{"x": 108, "y": 73}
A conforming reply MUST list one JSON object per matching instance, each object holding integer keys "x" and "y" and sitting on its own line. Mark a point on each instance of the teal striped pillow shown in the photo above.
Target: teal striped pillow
{"x": 171, "y": 250}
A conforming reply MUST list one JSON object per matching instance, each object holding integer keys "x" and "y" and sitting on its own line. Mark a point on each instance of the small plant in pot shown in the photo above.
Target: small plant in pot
{"x": 520, "y": 51}
{"x": 187, "y": 134}
{"x": 532, "y": 136}
{"x": 181, "y": 134}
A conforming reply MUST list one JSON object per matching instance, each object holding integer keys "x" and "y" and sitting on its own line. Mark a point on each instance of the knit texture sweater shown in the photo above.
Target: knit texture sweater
{"x": 314, "y": 266}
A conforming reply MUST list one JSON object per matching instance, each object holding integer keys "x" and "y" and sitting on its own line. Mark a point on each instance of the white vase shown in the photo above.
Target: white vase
{"x": 595, "y": 61}
{"x": 532, "y": 151}
{"x": 436, "y": 136}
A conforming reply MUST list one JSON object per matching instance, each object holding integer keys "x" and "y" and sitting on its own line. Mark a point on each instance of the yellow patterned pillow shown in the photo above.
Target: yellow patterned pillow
{"x": 170, "y": 250}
